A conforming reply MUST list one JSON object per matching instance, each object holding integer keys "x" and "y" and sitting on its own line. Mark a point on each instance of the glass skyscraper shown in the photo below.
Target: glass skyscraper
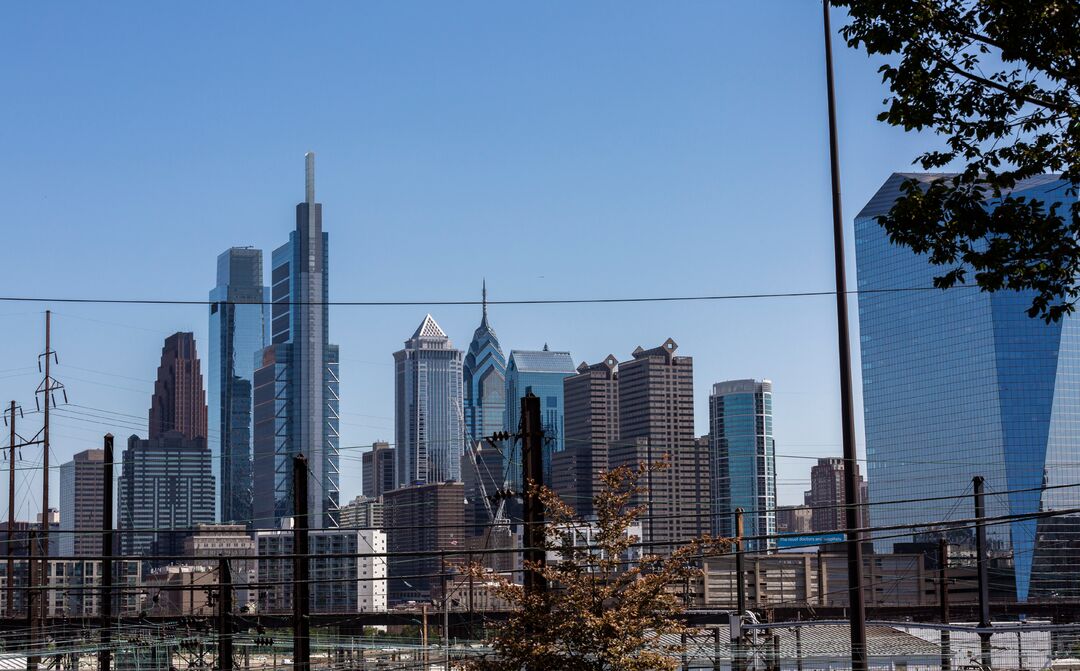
{"x": 428, "y": 431}
{"x": 960, "y": 383}
{"x": 542, "y": 374}
{"x": 296, "y": 381}
{"x": 743, "y": 458}
{"x": 237, "y": 336}
{"x": 485, "y": 381}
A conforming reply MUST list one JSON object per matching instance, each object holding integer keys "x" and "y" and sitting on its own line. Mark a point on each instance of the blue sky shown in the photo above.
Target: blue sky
{"x": 561, "y": 150}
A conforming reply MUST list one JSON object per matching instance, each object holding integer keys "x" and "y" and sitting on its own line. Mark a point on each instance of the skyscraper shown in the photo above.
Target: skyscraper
{"x": 377, "y": 470}
{"x": 656, "y": 421}
{"x": 296, "y": 381}
{"x": 961, "y": 383}
{"x": 179, "y": 402}
{"x": 484, "y": 386}
{"x": 826, "y": 498}
{"x": 429, "y": 432}
{"x": 165, "y": 488}
{"x": 542, "y": 374}
{"x": 591, "y": 427}
{"x": 237, "y": 336}
{"x": 82, "y": 500}
{"x": 743, "y": 458}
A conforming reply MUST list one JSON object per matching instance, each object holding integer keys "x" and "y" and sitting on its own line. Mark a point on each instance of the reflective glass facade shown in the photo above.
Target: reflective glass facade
{"x": 743, "y": 458}
{"x": 541, "y": 373}
{"x": 961, "y": 383}
{"x": 429, "y": 434}
{"x": 237, "y": 335}
{"x": 296, "y": 385}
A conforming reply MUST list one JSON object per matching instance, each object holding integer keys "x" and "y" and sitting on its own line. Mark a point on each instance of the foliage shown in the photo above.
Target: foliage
{"x": 602, "y": 612}
{"x": 999, "y": 80}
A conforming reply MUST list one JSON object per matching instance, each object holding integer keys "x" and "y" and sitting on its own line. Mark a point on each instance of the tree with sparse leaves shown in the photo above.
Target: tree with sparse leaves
{"x": 602, "y": 611}
{"x": 999, "y": 80}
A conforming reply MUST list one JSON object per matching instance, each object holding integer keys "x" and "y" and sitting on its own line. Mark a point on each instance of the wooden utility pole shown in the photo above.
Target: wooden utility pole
{"x": 943, "y": 602}
{"x": 984, "y": 579}
{"x": 105, "y": 655}
{"x": 11, "y": 518}
{"x": 532, "y": 473}
{"x": 301, "y": 604}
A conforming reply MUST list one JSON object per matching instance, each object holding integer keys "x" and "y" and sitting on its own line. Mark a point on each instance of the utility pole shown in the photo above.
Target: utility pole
{"x": 740, "y": 592}
{"x": 847, "y": 403}
{"x": 445, "y": 613}
{"x": 301, "y": 605}
{"x": 943, "y": 602}
{"x": 105, "y": 656}
{"x": 225, "y": 630}
{"x": 532, "y": 471}
{"x": 11, "y": 515}
{"x": 984, "y": 580}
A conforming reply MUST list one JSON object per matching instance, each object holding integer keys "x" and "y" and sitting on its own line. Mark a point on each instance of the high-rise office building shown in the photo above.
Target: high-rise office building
{"x": 656, "y": 422}
{"x": 377, "y": 470}
{"x": 82, "y": 500}
{"x": 743, "y": 459}
{"x": 429, "y": 432}
{"x": 179, "y": 400}
{"x": 961, "y": 383}
{"x": 826, "y": 496}
{"x": 422, "y": 519}
{"x": 591, "y": 426}
{"x": 237, "y": 336}
{"x": 484, "y": 373}
{"x": 362, "y": 513}
{"x": 165, "y": 488}
{"x": 296, "y": 380}
{"x": 542, "y": 374}
{"x": 793, "y": 519}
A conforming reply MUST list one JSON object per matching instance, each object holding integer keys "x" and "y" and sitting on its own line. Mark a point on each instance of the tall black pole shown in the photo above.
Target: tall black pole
{"x": 225, "y": 630}
{"x": 984, "y": 580}
{"x": 11, "y": 520}
{"x": 532, "y": 472}
{"x": 740, "y": 562}
{"x": 847, "y": 403}
{"x": 301, "y": 606}
{"x": 105, "y": 656}
{"x": 943, "y": 602}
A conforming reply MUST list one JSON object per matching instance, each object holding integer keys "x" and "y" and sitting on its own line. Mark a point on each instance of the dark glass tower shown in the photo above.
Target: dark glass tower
{"x": 237, "y": 327}
{"x": 296, "y": 382}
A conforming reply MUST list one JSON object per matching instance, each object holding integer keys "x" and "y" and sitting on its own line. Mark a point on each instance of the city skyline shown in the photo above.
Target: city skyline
{"x": 601, "y": 175}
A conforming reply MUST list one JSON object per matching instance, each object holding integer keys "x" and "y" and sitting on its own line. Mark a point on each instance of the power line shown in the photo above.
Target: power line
{"x": 536, "y": 301}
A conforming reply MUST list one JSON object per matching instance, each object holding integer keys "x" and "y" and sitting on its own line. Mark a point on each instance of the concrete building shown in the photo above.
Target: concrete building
{"x": 377, "y": 470}
{"x": 82, "y": 500}
{"x": 656, "y": 422}
{"x": 166, "y": 487}
{"x": 72, "y": 584}
{"x": 362, "y": 512}
{"x": 793, "y": 520}
{"x": 339, "y": 584}
{"x": 181, "y": 590}
{"x": 239, "y": 318}
{"x": 296, "y": 379}
{"x": 743, "y": 459}
{"x": 815, "y": 579}
{"x": 826, "y": 496}
{"x": 429, "y": 433}
{"x": 179, "y": 400}
{"x": 591, "y": 427}
{"x": 210, "y": 542}
{"x": 422, "y": 518}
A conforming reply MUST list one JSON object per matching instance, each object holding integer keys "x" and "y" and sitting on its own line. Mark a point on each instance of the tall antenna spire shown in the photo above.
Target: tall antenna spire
{"x": 484, "y": 301}
{"x": 309, "y": 177}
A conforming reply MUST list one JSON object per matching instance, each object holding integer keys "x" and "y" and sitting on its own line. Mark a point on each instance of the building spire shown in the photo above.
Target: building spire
{"x": 484, "y": 302}
{"x": 309, "y": 177}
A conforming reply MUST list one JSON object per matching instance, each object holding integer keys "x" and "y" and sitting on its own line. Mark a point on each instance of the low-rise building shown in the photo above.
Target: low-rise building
{"x": 348, "y": 579}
